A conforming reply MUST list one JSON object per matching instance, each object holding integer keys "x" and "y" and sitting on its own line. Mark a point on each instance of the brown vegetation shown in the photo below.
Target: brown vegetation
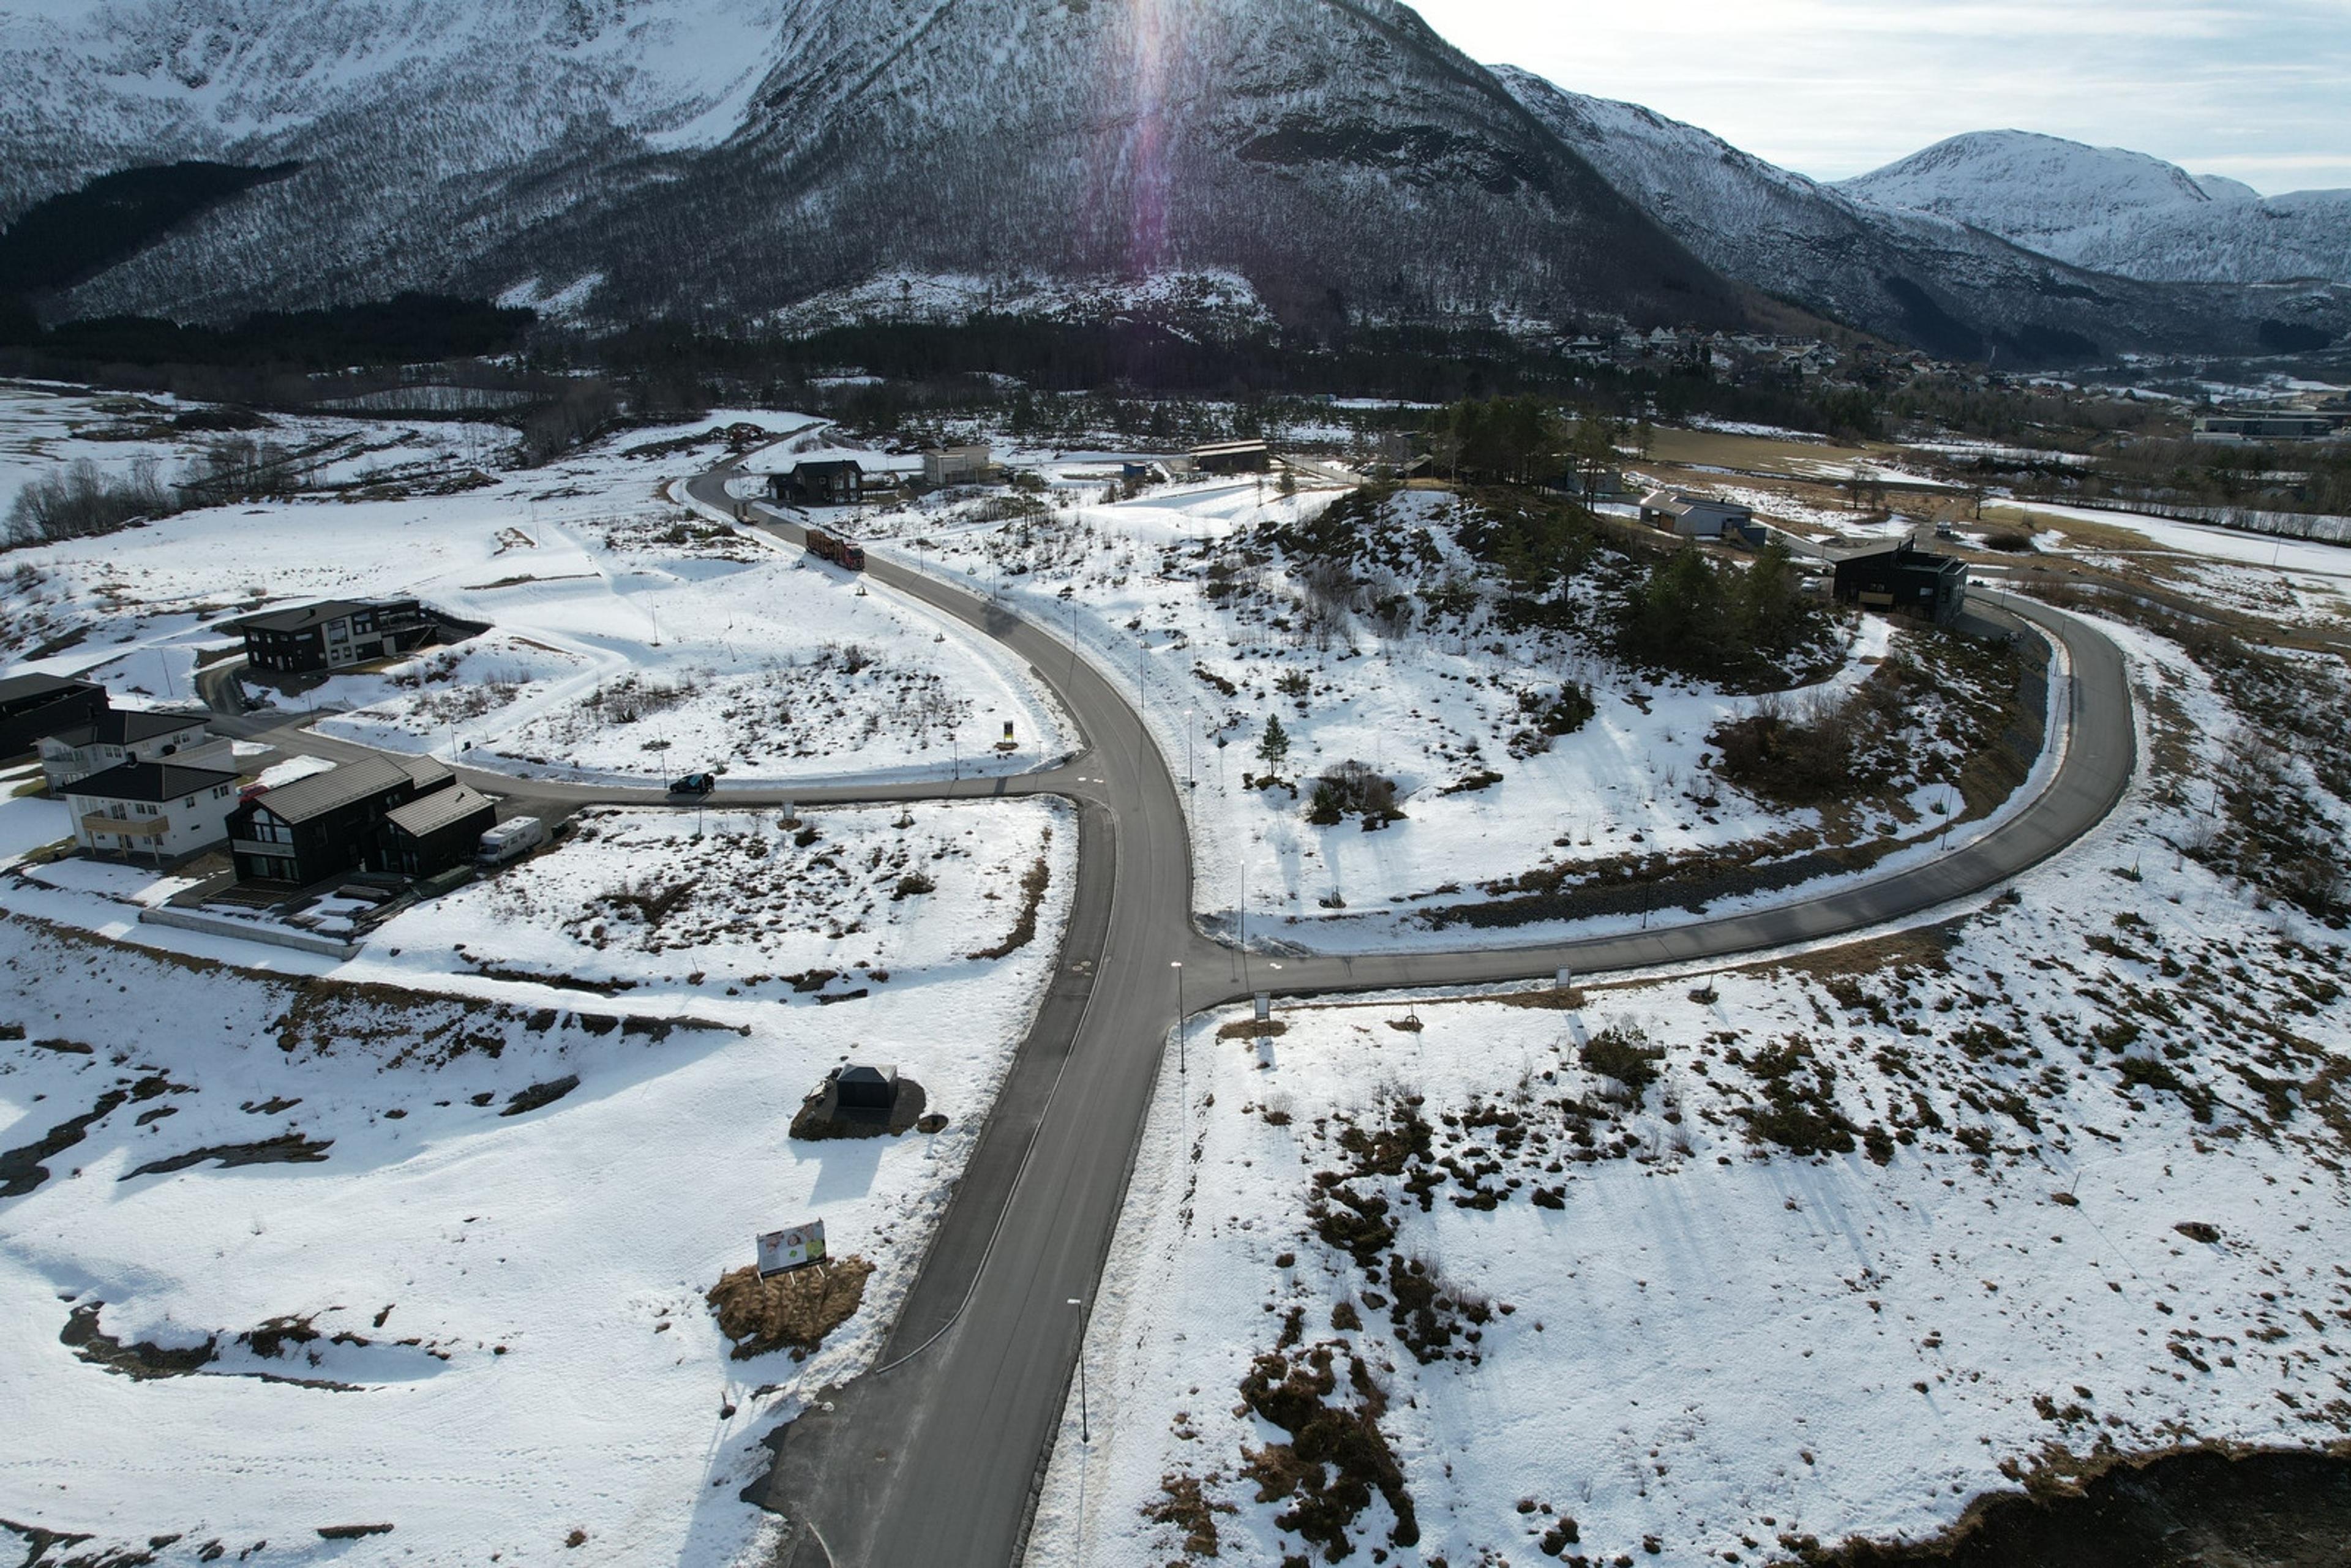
{"x": 787, "y": 1311}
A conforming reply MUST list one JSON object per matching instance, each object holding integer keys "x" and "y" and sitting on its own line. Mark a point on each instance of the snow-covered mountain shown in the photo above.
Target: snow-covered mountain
{"x": 2119, "y": 212}
{"x": 730, "y": 158}
{"x": 1921, "y": 276}
{"x": 750, "y": 161}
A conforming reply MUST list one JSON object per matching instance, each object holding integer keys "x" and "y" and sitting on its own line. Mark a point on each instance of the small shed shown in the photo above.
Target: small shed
{"x": 866, "y": 1088}
{"x": 1905, "y": 580}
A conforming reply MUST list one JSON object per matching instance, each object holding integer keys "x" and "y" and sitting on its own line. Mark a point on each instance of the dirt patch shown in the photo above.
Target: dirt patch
{"x": 2265, "y": 1509}
{"x": 541, "y": 1094}
{"x": 1249, "y": 1029}
{"x": 790, "y": 1312}
{"x": 286, "y": 1149}
{"x": 21, "y": 1169}
{"x": 137, "y": 1359}
{"x": 1033, "y": 883}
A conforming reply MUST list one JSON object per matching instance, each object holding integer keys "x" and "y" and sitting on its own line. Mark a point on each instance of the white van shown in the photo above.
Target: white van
{"x": 511, "y": 840}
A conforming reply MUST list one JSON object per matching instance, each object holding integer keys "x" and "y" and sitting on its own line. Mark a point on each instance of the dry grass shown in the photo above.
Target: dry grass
{"x": 1032, "y": 898}
{"x": 787, "y": 1311}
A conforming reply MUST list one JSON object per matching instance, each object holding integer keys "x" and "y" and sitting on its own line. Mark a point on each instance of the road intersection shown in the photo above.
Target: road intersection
{"x": 935, "y": 1457}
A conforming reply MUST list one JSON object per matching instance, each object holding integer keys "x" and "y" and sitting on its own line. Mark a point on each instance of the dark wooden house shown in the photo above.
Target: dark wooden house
{"x": 436, "y": 832}
{"x": 329, "y": 822}
{"x": 828, "y": 482}
{"x": 336, "y": 634}
{"x": 1905, "y": 580}
{"x": 34, "y": 706}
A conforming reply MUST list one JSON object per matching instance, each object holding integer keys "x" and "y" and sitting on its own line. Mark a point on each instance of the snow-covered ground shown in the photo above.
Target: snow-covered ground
{"x": 631, "y": 639}
{"x": 1160, "y": 590}
{"x": 486, "y": 1329}
{"x": 1718, "y": 1261}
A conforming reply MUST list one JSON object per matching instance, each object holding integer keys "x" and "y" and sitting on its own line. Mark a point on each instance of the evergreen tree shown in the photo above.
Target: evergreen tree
{"x": 1273, "y": 746}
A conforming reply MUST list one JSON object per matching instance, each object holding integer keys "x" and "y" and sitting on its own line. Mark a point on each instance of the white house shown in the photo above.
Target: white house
{"x": 160, "y": 809}
{"x": 1695, "y": 517}
{"x": 133, "y": 735}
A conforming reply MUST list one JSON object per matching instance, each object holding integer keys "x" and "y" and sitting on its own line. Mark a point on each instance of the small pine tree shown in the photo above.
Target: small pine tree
{"x": 1273, "y": 746}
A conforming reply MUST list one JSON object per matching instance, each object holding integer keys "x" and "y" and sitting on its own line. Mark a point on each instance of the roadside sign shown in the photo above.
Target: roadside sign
{"x": 1564, "y": 980}
{"x": 1264, "y": 1007}
{"x": 795, "y": 1247}
{"x": 1008, "y": 732}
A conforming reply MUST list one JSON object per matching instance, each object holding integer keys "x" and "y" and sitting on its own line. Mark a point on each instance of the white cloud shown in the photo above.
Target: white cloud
{"x": 1834, "y": 88}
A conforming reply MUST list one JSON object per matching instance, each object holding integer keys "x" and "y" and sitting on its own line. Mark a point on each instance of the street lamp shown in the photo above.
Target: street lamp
{"x": 1188, "y": 749}
{"x": 1177, "y": 964}
{"x": 1085, "y": 1433}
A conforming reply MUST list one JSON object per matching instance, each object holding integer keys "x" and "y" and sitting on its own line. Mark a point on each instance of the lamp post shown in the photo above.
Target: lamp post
{"x": 1188, "y": 749}
{"x": 1085, "y": 1433}
{"x": 1177, "y": 965}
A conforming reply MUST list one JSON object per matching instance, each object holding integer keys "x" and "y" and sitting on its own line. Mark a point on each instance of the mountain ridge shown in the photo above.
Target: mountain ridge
{"x": 2112, "y": 210}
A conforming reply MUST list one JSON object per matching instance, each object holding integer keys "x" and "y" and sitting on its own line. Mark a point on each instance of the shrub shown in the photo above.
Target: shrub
{"x": 1623, "y": 1051}
{"x": 1351, "y": 789}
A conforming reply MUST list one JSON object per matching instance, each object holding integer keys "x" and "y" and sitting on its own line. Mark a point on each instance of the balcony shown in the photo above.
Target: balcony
{"x": 126, "y": 827}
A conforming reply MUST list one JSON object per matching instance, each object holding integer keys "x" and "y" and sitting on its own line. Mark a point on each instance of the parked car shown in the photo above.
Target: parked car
{"x": 511, "y": 840}
{"x": 694, "y": 784}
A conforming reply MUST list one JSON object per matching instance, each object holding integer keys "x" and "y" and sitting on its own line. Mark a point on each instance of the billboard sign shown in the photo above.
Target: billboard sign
{"x": 795, "y": 1247}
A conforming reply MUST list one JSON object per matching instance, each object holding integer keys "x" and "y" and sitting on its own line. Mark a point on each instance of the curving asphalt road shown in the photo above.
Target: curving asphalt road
{"x": 935, "y": 1457}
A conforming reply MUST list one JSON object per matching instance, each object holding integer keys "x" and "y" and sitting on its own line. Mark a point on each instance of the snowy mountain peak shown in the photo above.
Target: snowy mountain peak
{"x": 2118, "y": 211}
{"x": 2045, "y": 184}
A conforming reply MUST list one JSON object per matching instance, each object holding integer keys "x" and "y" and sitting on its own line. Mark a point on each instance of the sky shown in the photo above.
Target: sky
{"x": 2256, "y": 90}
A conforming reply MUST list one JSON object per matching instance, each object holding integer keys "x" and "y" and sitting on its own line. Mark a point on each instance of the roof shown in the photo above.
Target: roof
{"x": 19, "y": 688}
{"x": 150, "y": 781}
{"x": 126, "y": 726}
{"x": 349, "y": 781}
{"x": 301, "y": 618}
{"x": 441, "y": 808}
{"x": 1681, "y": 503}
{"x": 1902, "y": 553}
{"x": 865, "y": 1074}
{"x": 1227, "y": 448}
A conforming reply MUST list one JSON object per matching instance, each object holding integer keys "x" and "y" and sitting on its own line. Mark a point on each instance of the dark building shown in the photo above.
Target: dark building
{"x": 34, "y": 706}
{"x": 436, "y": 832}
{"x": 1905, "y": 581}
{"x": 832, "y": 482}
{"x": 866, "y": 1088}
{"x": 1232, "y": 457}
{"x": 336, "y": 634}
{"x": 329, "y": 822}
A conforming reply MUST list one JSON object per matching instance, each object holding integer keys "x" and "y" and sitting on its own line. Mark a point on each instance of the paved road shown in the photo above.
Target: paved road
{"x": 934, "y": 1457}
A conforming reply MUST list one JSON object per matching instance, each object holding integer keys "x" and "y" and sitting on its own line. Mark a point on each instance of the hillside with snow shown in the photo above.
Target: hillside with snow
{"x": 2115, "y": 210}
{"x": 1931, "y": 276}
{"x": 738, "y": 156}
{"x": 1230, "y": 163}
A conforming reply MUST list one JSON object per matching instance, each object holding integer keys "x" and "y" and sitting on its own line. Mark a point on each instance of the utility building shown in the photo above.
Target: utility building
{"x": 1905, "y": 580}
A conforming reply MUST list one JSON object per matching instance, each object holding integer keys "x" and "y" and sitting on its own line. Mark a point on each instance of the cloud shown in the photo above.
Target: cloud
{"x": 1834, "y": 87}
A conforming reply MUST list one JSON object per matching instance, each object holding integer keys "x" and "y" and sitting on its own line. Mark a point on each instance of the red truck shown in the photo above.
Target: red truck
{"x": 847, "y": 554}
